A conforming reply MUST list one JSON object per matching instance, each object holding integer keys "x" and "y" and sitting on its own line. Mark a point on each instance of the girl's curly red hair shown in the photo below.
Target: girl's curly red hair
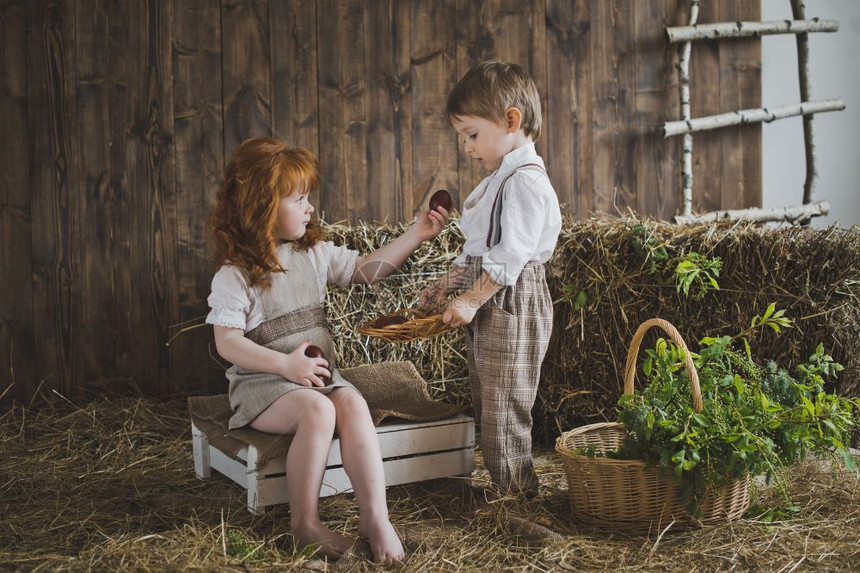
{"x": 243, "y": 223}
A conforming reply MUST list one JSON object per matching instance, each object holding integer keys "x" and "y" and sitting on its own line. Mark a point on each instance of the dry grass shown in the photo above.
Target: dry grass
{"x": 812, "y": 274}
{"x": 110, "y": 486}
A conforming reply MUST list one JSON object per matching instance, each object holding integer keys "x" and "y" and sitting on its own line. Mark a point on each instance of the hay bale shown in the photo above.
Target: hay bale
{"x": 442, "y": 359}
{"x": 814, "y": 274}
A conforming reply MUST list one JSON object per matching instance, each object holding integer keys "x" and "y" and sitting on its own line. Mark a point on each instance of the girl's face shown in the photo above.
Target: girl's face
{"x": 484, "y": 140}
{"x": 294, "y": 214}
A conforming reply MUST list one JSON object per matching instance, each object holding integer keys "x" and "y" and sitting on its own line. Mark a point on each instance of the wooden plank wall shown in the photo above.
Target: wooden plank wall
{"x": 118, "y": 118}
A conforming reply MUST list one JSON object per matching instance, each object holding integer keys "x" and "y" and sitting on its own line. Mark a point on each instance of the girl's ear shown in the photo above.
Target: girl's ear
{"x": 513, "y": 119}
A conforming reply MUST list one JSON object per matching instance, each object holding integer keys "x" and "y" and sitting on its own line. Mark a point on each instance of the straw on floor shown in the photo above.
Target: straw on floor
{"x": 110, "y": 486}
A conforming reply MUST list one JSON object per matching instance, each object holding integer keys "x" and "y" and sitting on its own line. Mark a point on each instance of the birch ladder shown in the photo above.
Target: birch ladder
{"x": 687, "y": 125}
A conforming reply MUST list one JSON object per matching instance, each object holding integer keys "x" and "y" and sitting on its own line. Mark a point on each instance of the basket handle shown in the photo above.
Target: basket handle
{"x": 633, "y": 352}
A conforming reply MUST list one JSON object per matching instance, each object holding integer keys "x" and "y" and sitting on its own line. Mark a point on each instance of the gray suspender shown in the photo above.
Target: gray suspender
{"x": 495, "y": 233}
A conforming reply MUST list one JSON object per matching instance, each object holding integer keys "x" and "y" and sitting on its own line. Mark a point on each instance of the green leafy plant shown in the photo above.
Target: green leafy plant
{"x": 653, "y": 250}
{"x": 237, "y": 545}
{"x": 578, "y": 298}
{"x": 756, "y": 419}
{"x": 771, "y": 318}
{"x": 690, "y": 272}
{"x": 698, "y": 273}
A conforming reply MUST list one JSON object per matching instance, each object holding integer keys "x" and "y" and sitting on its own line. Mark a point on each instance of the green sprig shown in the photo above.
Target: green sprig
{"x": 756, "y": 419}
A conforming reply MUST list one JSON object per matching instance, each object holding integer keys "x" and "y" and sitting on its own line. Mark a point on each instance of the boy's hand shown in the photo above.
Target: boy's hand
{"x": 460, "y": 312}
{"x": 430, "y": 223}
{"x": 432, "y": 296}
{"x": 304, "y": 370}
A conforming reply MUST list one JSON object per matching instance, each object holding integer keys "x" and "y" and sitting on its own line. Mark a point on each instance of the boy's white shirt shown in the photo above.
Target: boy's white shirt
{"x": 530, "y": 219}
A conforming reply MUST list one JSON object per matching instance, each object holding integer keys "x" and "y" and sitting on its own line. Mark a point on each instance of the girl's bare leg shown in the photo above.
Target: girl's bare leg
{"x": 363, "y": 464}
{"x": 310, "y": 416}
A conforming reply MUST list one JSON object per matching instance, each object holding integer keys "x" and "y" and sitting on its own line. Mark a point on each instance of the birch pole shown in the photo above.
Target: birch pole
{"x": 745, "y": 116}
{"x": 793, "y": 215}
{"x": 798, "y": 10}
{"x": 723, "y": 30}
{"x": 684, "y": 87}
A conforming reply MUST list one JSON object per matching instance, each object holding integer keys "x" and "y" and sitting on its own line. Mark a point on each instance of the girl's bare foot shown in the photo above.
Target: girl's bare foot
{"x": 324, "y": 541}
{"x": 384, "y": 541}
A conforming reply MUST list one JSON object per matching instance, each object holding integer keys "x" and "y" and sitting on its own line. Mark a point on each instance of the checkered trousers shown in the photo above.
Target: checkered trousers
{"x": 505, "y": 346}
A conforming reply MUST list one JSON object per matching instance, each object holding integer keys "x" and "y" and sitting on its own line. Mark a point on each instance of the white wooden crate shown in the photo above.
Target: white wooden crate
{"x": 411, "y": 452}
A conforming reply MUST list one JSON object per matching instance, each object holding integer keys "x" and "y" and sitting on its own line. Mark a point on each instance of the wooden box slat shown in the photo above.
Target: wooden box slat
{"x": 411, "y": 452}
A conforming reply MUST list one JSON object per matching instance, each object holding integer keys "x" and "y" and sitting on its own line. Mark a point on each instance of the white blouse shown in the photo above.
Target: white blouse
{"x": 530, "y": 218}
{"x": 234, "y": 304}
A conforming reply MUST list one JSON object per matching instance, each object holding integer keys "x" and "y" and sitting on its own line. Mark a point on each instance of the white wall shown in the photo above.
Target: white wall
{"x": 835, "y": 73}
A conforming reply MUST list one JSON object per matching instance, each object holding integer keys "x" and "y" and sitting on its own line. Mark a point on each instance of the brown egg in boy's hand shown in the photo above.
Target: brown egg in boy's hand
{"x": 441, "y": 198}
{"x": 316, "y": 352}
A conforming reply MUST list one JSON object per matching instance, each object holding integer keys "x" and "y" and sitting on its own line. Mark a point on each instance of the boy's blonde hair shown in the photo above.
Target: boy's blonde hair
{"x": 490, "y": 88}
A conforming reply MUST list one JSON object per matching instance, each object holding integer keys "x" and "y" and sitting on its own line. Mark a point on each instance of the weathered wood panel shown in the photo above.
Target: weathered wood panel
{"x": 353, "y": 102}
{"x": 94, "y": 281}
{"x": 294, "y": 73}
{"x": 197, "y": 124}
{"x": 560, "y": 110}
{"x": 387, "y": 65}
{"x": 434, "y": 71}
{"x": 51, "y": 124}
{"x": 124, "y": 67}
{"x": 158, "y": 155}
{"x": 745, "y": 64}
{"x": 246, "y": 71}
{"x": 583, "y": 184}
{"x": 142, "y": 137}
{"x": 334, "y": 197}
{"x": 731, "y": 97}
{"x": 705, "y": 89}
{"x": 122, "y": 371}
{"x": 128, "y": 111}
{"x": 17, "y": 342}
{"x": 655, "y": 161}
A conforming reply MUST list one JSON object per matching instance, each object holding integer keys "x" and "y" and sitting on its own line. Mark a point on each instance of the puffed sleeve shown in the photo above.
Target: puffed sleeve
{"x": 230, "y": 299}
{"x": 335, "y": 263}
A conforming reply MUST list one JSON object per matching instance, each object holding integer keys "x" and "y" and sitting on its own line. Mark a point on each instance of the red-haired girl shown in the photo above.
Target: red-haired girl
{"x": 267, "y": 308}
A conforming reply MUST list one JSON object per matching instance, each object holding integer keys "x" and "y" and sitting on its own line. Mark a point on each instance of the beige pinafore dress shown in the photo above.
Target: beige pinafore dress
{"x": 292, "y": 313}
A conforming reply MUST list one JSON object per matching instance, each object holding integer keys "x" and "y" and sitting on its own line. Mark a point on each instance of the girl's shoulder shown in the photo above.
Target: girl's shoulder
{"x": 327, "y": 250}
{"x": 230, "y": 277}
{"x": 334, "y": 263}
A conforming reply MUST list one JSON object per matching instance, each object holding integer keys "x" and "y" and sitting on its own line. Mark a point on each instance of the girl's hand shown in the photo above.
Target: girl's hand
{"x": 433, "y": 296}
{"x": 303, "y": 370}
{"x": 430, "y": 223}
{"x": 460, "y": 312}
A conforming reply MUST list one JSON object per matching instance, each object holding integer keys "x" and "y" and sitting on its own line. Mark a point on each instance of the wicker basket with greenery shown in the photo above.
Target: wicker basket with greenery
{"x": 672, "y": 460}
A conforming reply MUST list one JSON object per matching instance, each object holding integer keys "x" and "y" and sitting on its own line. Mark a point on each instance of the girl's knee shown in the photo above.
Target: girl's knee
{"x": 349, "y": 402}
{"x": 319, "y": 413}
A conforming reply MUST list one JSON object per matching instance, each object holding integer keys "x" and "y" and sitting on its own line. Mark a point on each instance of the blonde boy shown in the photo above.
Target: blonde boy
{"x": 511, "y": 222}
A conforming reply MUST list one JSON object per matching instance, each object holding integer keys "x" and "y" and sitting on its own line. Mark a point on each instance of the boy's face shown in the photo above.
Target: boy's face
{"x": 484, "y": 140}
{"x": 294, "y": 214}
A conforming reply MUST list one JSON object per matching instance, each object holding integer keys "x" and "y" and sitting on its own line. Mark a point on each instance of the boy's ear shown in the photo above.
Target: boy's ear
{"x": 513, "y": 119}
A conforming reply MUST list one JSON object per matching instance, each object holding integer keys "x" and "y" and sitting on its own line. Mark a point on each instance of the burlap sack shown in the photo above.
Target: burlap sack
{"x": 393, "y": 390}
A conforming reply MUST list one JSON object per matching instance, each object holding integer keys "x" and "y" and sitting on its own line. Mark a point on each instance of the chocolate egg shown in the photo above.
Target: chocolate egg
{"x": 441, "y": 198}
{"x": 316, "y": 352}
{"x": 388, "y": 320}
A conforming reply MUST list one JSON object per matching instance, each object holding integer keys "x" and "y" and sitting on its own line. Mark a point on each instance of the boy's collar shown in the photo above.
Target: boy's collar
{"x": 523, "y": 154}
